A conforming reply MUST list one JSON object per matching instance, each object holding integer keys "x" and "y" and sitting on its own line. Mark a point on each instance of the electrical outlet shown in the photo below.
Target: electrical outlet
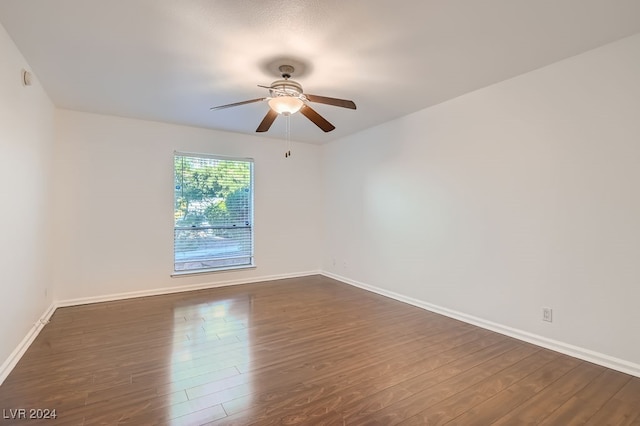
{"x": 547, "y": 314}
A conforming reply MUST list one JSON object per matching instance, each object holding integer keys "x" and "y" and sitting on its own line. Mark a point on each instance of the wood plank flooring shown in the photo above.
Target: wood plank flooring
{"x": 305, "y": 351}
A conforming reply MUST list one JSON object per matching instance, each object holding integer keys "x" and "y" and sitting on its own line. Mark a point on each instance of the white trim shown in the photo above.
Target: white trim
{"x": 212, "y": 156}
{"x": 555, "y": 345}
{"x": 191, "y": 272}
{"x": 565, "y": 348}
{"x": 8, "y": 365}
{"x": 179, "y": 289}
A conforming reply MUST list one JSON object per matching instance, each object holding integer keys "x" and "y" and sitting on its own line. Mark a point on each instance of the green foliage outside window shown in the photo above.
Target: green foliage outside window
{"x": 212, "y": 212}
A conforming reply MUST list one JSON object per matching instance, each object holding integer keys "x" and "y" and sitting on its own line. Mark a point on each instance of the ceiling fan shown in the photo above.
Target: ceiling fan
{"x": 286, "y": 97}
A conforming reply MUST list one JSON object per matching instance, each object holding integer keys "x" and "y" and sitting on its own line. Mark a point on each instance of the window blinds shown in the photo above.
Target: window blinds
{"x": 213, "y": 213}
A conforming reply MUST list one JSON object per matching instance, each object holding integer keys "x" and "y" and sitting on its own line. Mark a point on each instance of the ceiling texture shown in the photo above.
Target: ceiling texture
{"x": 170, "y": 60}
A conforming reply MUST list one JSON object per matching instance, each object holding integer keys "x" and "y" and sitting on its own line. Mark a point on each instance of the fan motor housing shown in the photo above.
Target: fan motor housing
{"x": 286, "y": 88}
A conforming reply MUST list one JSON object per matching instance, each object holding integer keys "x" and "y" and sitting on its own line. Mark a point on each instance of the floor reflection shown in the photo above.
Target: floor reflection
{"x": 211, "y": 347}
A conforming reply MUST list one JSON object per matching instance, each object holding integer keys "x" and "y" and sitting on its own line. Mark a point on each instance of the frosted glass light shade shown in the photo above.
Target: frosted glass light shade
{"x": 285, "y": 104}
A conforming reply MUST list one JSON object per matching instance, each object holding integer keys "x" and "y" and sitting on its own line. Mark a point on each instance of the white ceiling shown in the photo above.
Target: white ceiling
{"x": 170, "y": 60}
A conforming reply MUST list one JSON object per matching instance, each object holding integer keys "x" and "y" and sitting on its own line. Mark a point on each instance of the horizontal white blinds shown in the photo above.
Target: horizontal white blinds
{"x": 213, "y": 213}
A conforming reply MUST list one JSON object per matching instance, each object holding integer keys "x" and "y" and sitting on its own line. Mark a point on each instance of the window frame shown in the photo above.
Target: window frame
{"x": 225, "y": 268}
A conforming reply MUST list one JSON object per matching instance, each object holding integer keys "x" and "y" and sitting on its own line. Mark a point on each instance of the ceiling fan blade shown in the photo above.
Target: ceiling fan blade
{"x": 331, "y": 101}
{"x": 237, "y": 104}
{"x": 267, "y": 121}
{"x": 317, "y": 119}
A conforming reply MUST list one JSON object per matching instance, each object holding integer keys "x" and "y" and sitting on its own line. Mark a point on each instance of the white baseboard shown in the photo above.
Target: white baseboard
{"x": 8, "y": 365}
{"x": 565, "y": 348}
{"x": 178, "y": 289}
{"x": 22, "y": 347}
{"x": 555, "y": 345}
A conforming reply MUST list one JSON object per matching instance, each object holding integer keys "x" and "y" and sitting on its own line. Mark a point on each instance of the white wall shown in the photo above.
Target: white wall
{"x": 26, "y": 141}
{"x": 521, "y": 195}
{"x": 114, "y": 204}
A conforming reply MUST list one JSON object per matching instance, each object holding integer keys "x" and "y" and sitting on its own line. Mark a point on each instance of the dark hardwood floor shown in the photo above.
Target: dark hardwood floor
{"x": 308, "y": 351}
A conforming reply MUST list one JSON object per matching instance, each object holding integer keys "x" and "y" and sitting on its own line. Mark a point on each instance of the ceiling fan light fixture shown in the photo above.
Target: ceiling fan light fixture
{"x": 286, "y": 97}
{"x": 285, "y": 104}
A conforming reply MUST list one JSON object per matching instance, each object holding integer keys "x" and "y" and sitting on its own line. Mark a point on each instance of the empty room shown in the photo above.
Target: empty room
{"x": 357, "y": 212}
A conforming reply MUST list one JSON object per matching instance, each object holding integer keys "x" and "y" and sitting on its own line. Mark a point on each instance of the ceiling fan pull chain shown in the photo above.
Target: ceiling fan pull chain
{"x": 288, "y": 134}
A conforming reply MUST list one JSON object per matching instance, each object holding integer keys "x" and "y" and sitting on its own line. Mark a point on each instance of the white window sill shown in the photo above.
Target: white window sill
{"x": 180, "y": 274}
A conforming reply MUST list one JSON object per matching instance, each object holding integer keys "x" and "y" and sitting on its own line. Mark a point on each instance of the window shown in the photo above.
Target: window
{"x": 213, "y": 213}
